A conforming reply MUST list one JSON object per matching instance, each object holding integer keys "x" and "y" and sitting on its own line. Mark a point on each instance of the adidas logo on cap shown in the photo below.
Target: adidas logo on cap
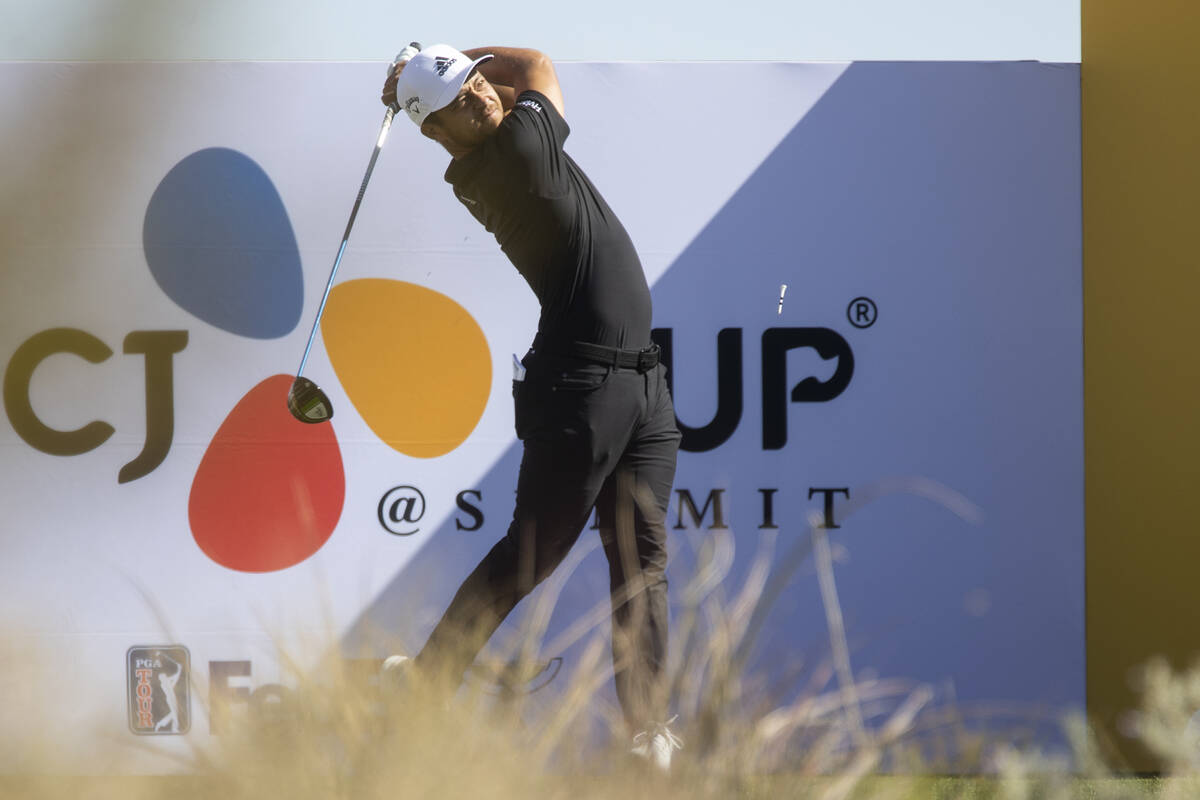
{"x": 441, "y": 64}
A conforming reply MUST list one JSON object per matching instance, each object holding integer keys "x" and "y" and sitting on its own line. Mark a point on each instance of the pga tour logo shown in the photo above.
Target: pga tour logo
{"x": 159, "y": 680}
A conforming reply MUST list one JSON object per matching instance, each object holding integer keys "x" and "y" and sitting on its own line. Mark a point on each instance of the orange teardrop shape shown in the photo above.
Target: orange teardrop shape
{"x": 413, "y": 362}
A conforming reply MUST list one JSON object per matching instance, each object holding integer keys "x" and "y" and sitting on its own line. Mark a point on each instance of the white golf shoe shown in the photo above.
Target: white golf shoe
{"x": 393, "y": 675}
{"x": 656, "y": 745}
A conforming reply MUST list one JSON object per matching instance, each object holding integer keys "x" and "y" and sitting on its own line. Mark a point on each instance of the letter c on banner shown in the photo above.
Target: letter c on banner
{"x": 17, "y": 404}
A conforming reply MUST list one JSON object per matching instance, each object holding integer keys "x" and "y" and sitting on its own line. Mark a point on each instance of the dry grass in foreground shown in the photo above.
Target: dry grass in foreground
{"x": 343, "y": 739}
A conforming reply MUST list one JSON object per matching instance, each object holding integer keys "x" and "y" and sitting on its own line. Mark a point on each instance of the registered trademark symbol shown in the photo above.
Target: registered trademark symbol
{"x": 862, "y": 312}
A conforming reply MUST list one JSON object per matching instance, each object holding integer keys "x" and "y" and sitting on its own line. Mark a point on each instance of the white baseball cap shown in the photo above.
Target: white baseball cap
{"x": 432, "y": 78}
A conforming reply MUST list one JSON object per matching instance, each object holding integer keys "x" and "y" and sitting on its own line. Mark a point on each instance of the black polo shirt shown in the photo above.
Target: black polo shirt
{"x": 556, "y": 229}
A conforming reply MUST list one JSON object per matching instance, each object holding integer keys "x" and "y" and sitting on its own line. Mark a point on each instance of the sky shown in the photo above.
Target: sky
{"x": 613, "y": 30}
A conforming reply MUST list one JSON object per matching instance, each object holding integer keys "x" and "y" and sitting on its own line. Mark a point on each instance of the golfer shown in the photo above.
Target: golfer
{"x": 166, "y": 682}
{"x": 591, "y": 401}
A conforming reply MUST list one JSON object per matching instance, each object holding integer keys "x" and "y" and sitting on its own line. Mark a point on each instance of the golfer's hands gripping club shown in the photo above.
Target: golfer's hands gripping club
{"x": 389, "y": 86}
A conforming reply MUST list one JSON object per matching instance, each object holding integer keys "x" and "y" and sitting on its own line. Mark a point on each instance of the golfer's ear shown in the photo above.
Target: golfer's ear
{"x": 432, "y": 129}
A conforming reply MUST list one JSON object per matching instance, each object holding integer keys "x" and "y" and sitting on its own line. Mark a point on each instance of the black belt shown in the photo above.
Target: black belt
{"x": 642, "y": 360}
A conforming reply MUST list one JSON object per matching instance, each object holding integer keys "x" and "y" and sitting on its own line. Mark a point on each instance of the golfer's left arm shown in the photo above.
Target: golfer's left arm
{"x": 516, "y": 69}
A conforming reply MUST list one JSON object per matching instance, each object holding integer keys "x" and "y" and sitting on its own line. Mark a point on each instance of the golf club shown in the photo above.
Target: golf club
{"x": 306, "y": 401}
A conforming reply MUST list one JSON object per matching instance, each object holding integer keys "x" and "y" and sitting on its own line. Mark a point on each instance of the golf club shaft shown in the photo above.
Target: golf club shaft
{"x": 383, "y": 131}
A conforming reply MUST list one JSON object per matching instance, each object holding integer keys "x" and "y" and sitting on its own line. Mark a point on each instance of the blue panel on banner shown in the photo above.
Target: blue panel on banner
{"x": 219, "y": 242}
{"x": 950, "y": 195}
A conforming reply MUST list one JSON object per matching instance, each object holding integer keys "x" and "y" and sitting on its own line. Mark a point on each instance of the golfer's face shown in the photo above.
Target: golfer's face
{"x": 474, "y": 114}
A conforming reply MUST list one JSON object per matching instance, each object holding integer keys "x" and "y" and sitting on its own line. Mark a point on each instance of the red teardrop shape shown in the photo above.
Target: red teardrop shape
{"x": 270, "y": 489}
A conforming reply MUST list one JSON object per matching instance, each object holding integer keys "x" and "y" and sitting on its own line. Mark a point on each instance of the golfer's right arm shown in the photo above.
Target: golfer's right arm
{"x": 519, "y": 69}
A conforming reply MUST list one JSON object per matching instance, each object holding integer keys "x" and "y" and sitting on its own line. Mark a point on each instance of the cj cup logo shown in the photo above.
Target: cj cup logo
{"x": 159, "y": 681}
{"x": 269, "y": 490}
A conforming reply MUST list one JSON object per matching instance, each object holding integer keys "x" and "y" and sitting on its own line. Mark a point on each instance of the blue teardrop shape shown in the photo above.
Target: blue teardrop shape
{"x": 219, "y": 242}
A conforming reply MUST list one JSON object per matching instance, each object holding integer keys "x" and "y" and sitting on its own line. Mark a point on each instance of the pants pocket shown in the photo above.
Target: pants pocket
{"x": 582, "y": 378}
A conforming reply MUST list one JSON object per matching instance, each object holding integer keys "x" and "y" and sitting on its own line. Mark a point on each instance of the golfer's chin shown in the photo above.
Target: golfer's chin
{"x": 482, "y": 131}
{"x": 491, "y": 121}
{"x": 470, "y": 136}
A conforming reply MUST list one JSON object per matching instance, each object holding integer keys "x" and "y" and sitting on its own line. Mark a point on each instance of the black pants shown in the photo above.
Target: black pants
{"x": 594, "y": 436}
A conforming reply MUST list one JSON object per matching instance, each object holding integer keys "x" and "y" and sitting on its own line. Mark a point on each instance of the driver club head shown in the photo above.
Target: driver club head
{"x": 308, "y": 403}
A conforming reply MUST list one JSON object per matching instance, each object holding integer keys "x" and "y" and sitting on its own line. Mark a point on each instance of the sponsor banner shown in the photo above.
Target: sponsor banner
{"x": 916, "y": 387}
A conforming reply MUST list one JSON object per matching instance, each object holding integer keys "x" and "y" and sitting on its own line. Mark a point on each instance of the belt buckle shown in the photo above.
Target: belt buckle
{"x": 647, "y": 357}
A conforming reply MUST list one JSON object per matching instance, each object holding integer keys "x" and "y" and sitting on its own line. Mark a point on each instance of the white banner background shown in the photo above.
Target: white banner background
{"x": 947, "y": 193}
